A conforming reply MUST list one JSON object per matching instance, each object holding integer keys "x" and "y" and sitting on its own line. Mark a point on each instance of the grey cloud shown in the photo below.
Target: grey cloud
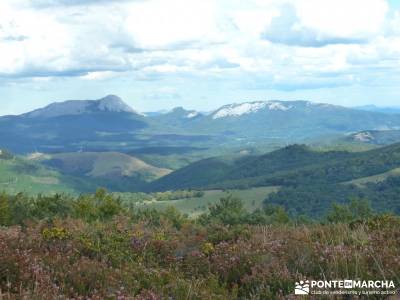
{"x": 127, "y": 48}
{"x": 51, "y": 3}
{"x": 38, "y": 71}
{"x": 222, "y": 63}
{"x": 15, "y": 38}
{"x": 162, "y": 96}
{"x": 284, "y": 29}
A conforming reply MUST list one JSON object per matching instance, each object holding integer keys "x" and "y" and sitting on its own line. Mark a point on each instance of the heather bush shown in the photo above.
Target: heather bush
{"x": 94, "y": 248}
{"x": 5, "y": 213}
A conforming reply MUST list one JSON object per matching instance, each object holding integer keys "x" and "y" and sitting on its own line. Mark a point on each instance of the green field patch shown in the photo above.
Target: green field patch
{"x": 361, "y": 182}
{"x": 252, "y": 199}
{"x": 18, "y": 175}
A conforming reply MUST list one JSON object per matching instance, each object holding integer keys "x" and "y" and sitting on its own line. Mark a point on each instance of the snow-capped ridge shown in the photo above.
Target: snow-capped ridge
{"x": 364, "y": 136}
{"x": 192, "y": 114}
{"x": 235, "y": 110}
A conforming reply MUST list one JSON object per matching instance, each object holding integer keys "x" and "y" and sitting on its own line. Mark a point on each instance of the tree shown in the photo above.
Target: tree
{"x": 100, "y": 206}
{"x": 229, "y": 211}
{"x": 4, "y": 210}
{"x": 271, "y": 214}
{"x": 357, "y": 209}
{"x": 172, "y": 214}
{"x": 4, "y": 154}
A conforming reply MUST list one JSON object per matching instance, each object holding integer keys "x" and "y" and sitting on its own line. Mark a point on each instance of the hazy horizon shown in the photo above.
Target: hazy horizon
{"x": 189, "y": 108}
{"x": 158, "y": 54}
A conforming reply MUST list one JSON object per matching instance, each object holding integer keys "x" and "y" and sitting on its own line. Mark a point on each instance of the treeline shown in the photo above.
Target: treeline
{"x": 4, "y": 154}
{"x": 130, "y": 199}
{"x": 314, "y": 200}
{"x": 288, "y": 206}
{"x": 102, "y": 206}
{"x": 14, "y": 209}
{"x": 176, "y": 195}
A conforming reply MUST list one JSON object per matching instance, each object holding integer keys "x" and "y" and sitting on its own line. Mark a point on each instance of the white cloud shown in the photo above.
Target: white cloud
{"x": 102, "y": 75}
{"x": 44, "y": 42}
{"x": 160, "y": 23}
{"x": 316, "y": 23}
{"x": 343, "y": 18}
{"x": 293, "y": 43}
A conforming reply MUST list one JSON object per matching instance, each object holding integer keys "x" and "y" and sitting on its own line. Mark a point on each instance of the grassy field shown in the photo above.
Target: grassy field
{"x": 102, "y": 164}
{"x": 17, "y": 175}
{"x": 252, "y": 199}
{"x": 361, "y": 182}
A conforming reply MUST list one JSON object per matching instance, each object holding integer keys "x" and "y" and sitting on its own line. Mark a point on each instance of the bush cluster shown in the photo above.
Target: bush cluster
{"x": 93, "y": 247}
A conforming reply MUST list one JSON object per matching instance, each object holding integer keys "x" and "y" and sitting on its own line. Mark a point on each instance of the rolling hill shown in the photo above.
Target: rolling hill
{"x": 19, "y": 174}
{"x": 308, "y": 182}
{"x": 291, "y": 166}
{"x": 113, "y": 170}
{"x": 74, "y": 173}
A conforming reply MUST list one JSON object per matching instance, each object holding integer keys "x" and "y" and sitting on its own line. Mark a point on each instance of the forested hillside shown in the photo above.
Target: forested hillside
{"x": 291, "y": 166}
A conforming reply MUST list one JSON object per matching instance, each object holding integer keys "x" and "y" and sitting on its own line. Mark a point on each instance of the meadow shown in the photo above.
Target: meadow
{"x": 195, "y": 206}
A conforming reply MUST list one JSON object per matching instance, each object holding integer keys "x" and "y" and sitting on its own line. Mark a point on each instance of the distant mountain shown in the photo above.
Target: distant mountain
{"x": 110, "y": 103}
{"x": 237, "y": 110}
{"x": 289, "y": 121}
{"x": 178, "y": 112}
{"x": 175, "y": 119}
{"x": 376, "y": 137}
{"x": 156, "y": 113}
{"x": 374, "y": 108}
{"x": 71, "y": 126}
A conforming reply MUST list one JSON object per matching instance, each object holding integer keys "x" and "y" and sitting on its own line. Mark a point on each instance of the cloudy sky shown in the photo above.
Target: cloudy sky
{"x": 157, "y": 54}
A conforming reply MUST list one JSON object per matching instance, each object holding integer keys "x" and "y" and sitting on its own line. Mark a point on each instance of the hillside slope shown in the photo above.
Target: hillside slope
{"x": 116, "y": 171}
{"x": 290, "y": 166}
{"x": 18, "y": 174}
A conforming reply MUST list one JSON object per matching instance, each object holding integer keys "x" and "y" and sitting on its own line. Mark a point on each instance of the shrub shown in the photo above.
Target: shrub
{"x": 5, "y": 213}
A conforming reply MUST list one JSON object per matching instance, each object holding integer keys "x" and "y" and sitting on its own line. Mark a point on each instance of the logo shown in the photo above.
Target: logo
{"x": 345, "y": 287}
{"x": 348, "y": 284}
{"x": 302, "y": 288}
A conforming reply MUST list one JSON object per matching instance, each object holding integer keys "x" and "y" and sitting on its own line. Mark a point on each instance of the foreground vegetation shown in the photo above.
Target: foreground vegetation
{"x": 194, "y": 203}
{"x": 95, "y": 247}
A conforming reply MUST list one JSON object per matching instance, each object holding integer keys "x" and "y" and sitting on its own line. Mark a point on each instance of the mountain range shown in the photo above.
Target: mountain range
{"x": 386, "y": 110}
{"x": 109, "y": 124}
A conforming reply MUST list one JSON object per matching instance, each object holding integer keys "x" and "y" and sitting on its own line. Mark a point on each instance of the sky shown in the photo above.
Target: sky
{"x": 199, "y": 54}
